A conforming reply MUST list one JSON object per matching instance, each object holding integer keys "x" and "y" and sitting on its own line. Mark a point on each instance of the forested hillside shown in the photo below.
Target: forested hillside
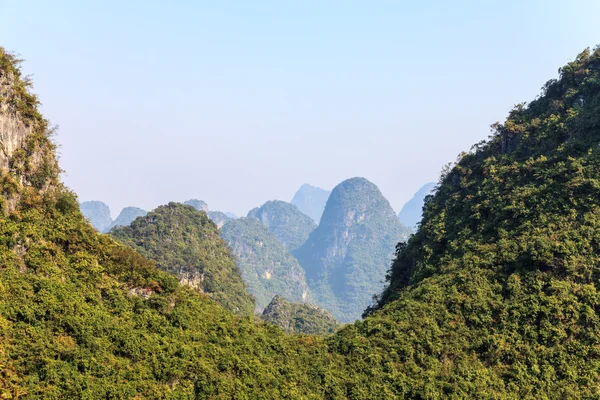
{"x": 285, "y": 221}
{"x": 299, "y": 317}
{"x": 266, "y": 265}
{"x": 186, "y": 243}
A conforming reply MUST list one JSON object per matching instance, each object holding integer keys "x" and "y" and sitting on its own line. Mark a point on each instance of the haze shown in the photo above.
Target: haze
{"x": 237, "y": 103}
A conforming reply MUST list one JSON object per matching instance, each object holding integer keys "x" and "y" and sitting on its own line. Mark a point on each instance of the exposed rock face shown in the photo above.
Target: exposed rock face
{"x": 27, "y": 160}
{"x": 347, "y": 256}
{"x": 98, "y": 214}
{"x": 299, "y": 318}
{"x": 127, "y": 216}
{"x": 197, "y": 204}
{"x": 411, "y": 213}
{"x": 218, "y": 218}
{"x": 311, "y": 201}
{"x": 290, "y": 226}
{"x": 266, "y": 265}
{"x": 185, "y": 242}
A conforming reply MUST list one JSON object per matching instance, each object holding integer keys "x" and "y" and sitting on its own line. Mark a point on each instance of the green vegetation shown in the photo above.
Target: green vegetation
{"x": 267, "y": 267}
{"x": 496, "y": 295}
{"x": 285, "y": 221}
{"x": 186, "y": 243}
{"x": 82, "y": 316}
{"x": 346, "y": 257}
{"x": 299, "y": 318}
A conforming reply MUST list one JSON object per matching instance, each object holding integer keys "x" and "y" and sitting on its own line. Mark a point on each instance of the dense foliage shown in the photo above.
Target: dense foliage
{"x": 505, "y": 267}
{"x": 266, "y": 265}
{"x": 346, "y": 257}
{"x": 186, "y": 243}
{"x": 299, "y": 317}
{"x": 285, "y": 221}
{"x": 98, "y": 214}
{"x": 311, "y": 201}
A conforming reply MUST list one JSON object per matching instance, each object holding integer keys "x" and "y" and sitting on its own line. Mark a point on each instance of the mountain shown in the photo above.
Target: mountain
{"x": 311, "y": 201}
{"x": 495, "y": 296}
{"x": 266, "y": 265}
{"x": 218, "y": 218}
{"x": 299, "y": 318}
{"x": 127, "y": 216}
{"x": 231, "y": 215}
{"x": 186, "y": 243}
{"x": 411, "y": 212}
{"x": 98, "y": 214}
{"x": 83, "y": 316}
{"x": 285, "y": 221}
{"x": 346, "y": 257}
{"x": 197, "y": 204}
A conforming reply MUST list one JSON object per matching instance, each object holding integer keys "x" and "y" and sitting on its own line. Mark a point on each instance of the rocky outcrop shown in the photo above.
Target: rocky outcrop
{"x": 27, "y": 159}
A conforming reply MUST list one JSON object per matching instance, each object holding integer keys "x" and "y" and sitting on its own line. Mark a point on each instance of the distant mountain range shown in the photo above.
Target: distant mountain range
{"x": 311, "y": 201}
{"x": 412, "y": 212}
{"x": 98, "y": 214}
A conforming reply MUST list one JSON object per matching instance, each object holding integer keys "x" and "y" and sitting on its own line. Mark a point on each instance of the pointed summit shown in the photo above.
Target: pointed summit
{"x": 347, "y": 255}
{"x": 311, "y": 201}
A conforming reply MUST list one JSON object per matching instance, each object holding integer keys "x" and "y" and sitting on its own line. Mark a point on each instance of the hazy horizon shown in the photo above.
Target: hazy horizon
{"x": 240, "y": 103}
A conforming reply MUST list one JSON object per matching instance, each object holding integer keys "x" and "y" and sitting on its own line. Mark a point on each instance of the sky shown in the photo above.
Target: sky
{"x": 241, "y": 102}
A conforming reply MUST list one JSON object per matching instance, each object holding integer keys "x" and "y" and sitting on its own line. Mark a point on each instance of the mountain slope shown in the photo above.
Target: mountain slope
{"x": 127, "y": 216}
{"x": 412, "y": 211}
{"x": 82, "y": 316}
{"x": 299, "y": 318}
{"x": 98, "y": 214}
{"x": 311, "y": 201}
{"x": 500, "y": 283}
{"x": 346, "y": 257}
{"x": 186, "y": 243}
{"x": 267, "y": 267}
{"x": 218, "y": 217}
{"x": 285, "y": 221}
{"x": 199, "y": 205}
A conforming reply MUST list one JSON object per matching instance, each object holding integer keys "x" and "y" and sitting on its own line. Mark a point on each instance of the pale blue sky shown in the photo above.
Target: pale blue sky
{"x": 240, "y": 102}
